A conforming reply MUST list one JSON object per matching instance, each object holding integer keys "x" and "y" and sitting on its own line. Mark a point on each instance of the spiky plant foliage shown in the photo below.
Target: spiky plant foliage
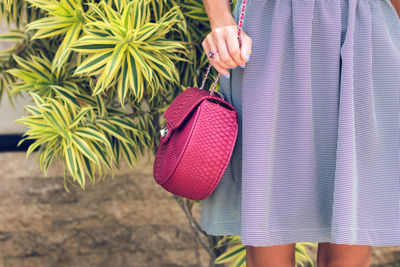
{"x": 14, "y": 10}
{"x": 107, "y": 66}
{"x": 130, "y": 50}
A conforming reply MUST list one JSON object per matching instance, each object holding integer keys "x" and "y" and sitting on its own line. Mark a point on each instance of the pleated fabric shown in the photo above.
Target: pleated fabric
{"x": 317, "y": 154}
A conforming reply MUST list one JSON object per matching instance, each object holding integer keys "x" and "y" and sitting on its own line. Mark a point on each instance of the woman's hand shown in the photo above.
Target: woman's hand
{"x": 231, "y": 51}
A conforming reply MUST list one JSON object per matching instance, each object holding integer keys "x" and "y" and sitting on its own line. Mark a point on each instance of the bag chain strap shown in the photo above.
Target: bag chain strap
{"x": 240, "y": 25}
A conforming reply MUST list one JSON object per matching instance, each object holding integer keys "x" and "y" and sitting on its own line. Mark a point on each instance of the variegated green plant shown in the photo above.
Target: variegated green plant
{"x": 137, "y": 69}
{"x": 12, "y": 11}
{"x": 80, "y": 136}
{"x": 130, "y": 50}
{"x": 64, "y": 17}
{"x": 6, "y": 78}
{"x": 35, "y": 75}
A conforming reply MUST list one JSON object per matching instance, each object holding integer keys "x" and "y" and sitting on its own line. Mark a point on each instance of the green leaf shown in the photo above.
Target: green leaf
{"x": 64, "y": 50}
{"x": 114, "y": 63}
{"x": 70, "y": 158}
{"x": 89, "y": 168}
{"x": 53, "y": 121}
{"x": 60, "y": 113}
{"x": 102, "y": 153}
{"x": 32, "y": 66}
{"x": 13, "y": 36}
{"x": 80, "y": 171}
{"x": 230, "y": 254}
{"x": 78, "y": 118}
{"x": 84, "y": 148}
{"x": 123, "y": 83}
{"x": 134, "y": 77}
{"x": 129, "y": 153}
{"x": 117, "y": 133}
{"x": 46, "y": 158}
{"x": 93, "y": 62}
{"x": 90, "y": 44}
{"x": 92, "y": 133}
{"x": 67, "y": 94}
{"x": 124, "y": 123}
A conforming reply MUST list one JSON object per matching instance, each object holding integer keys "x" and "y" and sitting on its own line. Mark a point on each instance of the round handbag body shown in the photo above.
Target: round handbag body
{"x": 199, "y": 139}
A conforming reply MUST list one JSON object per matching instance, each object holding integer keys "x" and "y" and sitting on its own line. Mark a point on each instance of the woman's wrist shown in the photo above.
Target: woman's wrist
{"x": 222, "y": 20}
{"x": 219, "y": 13}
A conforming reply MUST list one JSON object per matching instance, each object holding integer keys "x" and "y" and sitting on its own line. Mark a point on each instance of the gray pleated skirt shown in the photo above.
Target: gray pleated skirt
{"x": 317, "y": 154}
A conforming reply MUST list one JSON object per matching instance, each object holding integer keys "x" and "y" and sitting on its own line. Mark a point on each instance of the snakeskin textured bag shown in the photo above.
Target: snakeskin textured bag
{"x": 197, "y": 142}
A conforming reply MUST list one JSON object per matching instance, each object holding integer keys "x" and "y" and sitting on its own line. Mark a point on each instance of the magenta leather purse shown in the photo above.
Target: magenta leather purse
{"x": 197, "y": 141}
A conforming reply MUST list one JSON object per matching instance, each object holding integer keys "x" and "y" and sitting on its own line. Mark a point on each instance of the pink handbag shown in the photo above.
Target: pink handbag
{"x": 197, "y": 142}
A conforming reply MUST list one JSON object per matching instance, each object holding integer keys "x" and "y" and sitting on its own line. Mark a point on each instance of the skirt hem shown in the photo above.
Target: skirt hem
{"x": 336, "y": 235}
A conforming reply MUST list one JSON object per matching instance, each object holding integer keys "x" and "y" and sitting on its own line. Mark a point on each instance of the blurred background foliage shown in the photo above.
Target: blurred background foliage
{"x": 100, "y": 75}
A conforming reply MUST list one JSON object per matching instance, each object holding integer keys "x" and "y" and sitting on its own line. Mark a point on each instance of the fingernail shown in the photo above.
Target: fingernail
{"x": 247, "y": 57}
{"x": 243, "y": 66}
{"x": 226, "y": 75}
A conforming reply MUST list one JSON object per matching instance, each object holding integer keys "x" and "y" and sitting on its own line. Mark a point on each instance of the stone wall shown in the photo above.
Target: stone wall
{"x": 125, "y": 221}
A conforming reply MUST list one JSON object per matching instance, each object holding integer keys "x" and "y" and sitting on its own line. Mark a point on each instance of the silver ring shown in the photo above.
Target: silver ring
{"x": 212, "y": 53}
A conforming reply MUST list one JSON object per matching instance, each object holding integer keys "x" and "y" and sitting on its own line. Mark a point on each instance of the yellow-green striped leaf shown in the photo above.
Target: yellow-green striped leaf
{"x": 84, "y": 148}
{"x": 111, "y": 129}
{"x": 94, "y": 62}
{"x": 100, "y": 152}
{"x": 230, "y": 254}
{"x": 114, "y": 63}
{"x": 13, "y": 36}
{"x": 124, "y": 123}
{"x": 80, "y": 171}
{"x": 123, "y": 83}
{"x": 78, "y": 118}
{"x": 70, "y": 158}
{"x": 91, "y": 133}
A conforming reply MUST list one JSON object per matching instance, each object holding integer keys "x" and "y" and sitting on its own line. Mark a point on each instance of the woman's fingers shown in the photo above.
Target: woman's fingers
{"x": 234, "y": 49}
{"x": 245, "y": 48}
{"x": 231, "y": 51}
{"x": 209, "y": 45}
{"x": 221, "y": 35}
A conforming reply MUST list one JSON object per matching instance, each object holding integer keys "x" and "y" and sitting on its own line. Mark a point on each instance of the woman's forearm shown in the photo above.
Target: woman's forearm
{"x": 219, "y": 13}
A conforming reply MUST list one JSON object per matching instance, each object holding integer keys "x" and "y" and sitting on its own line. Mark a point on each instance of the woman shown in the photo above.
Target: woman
{"x": 317, "y": 154}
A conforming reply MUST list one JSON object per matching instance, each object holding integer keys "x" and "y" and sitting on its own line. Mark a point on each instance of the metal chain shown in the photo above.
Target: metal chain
{"x": 240, "y": 25}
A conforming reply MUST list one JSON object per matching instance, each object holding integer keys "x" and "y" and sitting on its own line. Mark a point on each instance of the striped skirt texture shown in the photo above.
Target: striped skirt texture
{"x": 317, "y": 154}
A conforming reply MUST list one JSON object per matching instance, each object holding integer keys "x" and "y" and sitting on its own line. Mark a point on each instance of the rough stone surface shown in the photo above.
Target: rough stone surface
{"x": 125, "y": 221}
